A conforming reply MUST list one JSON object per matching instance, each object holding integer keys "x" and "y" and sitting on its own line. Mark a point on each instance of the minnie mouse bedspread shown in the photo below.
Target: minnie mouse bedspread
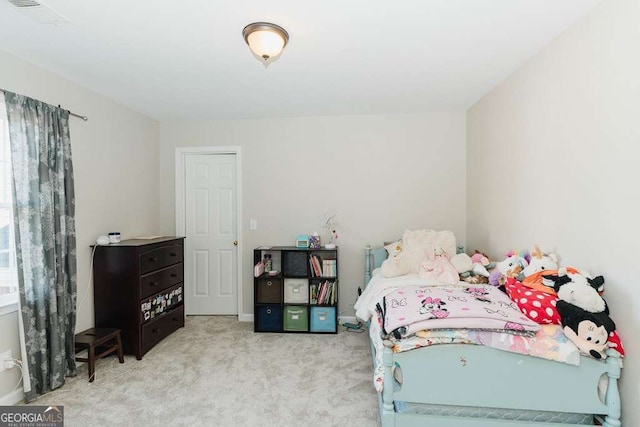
{"x": 409, "y": 310}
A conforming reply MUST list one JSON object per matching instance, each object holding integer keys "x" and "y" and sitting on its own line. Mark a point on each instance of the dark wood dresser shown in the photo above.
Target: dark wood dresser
{"x": 138, "y": 287}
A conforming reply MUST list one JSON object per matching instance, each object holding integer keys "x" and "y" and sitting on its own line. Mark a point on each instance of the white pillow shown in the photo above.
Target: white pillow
{"x": 395, "y": 266}
{"x": 417, "y": 246}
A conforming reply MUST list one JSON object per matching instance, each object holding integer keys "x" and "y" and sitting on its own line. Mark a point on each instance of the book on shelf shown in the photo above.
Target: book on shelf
{"x": 322, "y": 267}
{"x": 329, "y": 268}
{"x": 316, "y": 267}
{"x": 334, "y": 293}
{"x": 323, "y": 293}
{"x": 326, "y": 292}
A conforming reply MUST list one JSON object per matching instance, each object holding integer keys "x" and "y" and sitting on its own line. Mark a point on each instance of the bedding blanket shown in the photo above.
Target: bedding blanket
{"x": 409, "y": 310}
{"x": 369, "y": 304}
{"x": 548, "y": 343}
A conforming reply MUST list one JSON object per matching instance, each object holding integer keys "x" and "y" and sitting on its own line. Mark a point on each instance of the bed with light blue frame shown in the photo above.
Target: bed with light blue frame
{"x": 460, "y": 385}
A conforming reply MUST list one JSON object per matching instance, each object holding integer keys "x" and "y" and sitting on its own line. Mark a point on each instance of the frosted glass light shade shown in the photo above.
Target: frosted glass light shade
{"x": 265, "y": 43}
{"x": 265, "y": 40}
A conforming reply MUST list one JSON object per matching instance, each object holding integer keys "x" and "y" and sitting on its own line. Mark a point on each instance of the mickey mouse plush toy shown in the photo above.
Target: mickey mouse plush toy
{"x": 588, "y": 331}
{"x": 583, "y": 312}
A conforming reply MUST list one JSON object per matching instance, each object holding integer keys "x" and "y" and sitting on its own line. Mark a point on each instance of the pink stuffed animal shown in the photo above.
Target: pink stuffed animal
{"x": 480, "y": 258}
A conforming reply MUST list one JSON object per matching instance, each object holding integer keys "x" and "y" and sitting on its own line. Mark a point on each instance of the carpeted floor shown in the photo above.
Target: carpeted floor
{"x": 217, "y": 372}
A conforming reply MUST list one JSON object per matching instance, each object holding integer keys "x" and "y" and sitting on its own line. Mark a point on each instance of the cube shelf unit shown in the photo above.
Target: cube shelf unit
{"x": 302, "y": 297}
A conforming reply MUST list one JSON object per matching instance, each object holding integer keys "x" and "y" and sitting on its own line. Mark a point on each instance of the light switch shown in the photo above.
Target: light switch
{"x": 253, "y": 224}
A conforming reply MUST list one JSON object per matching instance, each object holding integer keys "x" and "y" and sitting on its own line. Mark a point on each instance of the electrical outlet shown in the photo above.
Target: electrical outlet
{"x": 5, "y": 356}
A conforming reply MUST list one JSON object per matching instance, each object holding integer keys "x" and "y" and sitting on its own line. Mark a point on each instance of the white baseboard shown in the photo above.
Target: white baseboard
{"x": 347, "y": 319}
{"x": 12, "y": 398}
{"x": 245, "y": 317}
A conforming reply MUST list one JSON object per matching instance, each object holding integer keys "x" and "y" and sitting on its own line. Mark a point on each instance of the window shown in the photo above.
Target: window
{"x": 8, "y": 272}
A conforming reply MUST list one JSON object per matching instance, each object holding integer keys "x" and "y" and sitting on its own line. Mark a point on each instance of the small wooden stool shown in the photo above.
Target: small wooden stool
{"x": 99, "y": 342}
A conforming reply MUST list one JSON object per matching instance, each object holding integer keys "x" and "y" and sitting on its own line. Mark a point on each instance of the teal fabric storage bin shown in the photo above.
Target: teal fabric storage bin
{"x": 323, "y": 319}
{"x": 296, "y": 318}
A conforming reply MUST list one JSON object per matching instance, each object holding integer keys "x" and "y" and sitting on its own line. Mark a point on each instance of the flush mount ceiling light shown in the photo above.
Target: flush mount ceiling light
{"x": 265, "y": 40}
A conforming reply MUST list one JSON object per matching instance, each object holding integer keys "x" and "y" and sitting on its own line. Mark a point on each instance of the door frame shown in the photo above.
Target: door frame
{"x": 180, "y": 157}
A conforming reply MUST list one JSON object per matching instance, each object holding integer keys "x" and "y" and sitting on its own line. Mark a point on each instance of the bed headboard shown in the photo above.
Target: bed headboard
{"x": 373, "y": 258}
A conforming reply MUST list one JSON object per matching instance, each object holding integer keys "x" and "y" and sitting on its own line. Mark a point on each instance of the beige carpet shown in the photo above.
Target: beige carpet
{"x": 217, "y": 372}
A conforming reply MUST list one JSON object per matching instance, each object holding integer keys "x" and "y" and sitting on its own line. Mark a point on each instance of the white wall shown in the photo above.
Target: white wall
{"x": 553, "y": 154}
{"x": 379, "y": 173}
{"x": 115, "y": 158}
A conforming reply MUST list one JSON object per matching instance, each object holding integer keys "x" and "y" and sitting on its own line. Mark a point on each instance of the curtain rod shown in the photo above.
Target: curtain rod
{"x": 85, "y": 118}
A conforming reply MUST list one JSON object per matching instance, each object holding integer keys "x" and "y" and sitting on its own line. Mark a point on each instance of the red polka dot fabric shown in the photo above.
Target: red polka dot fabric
{"x": 615, "y": 343}
{"x": 541, "y": 308}
{"x": 537, "y": 306}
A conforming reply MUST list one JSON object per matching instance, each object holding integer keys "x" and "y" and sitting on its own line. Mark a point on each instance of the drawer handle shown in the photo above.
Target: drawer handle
{"x": 269, "y": 283}
{"x": 154, "y": 284}
{"x": 174, "y": 275}
{"x": 156, "y": 330}
{"x": 268, "y": 311}
{"x": 176, "y": 319}
{"x": 173, "y": 254}
{"x": 153, "y": 259}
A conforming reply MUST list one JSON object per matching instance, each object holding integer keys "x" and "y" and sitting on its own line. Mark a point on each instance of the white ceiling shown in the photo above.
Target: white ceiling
{"x": 187, "y": 58}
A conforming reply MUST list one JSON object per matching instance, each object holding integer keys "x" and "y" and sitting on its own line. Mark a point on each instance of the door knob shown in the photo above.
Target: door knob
{"x": 235, "y": 243}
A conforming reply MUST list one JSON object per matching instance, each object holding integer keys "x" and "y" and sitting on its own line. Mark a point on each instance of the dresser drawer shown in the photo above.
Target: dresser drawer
{"x": 158, "y": 304}
{"x": 160, "y": 257}
{"x": 159, "y": 280}
{"x": 154, "y": 331}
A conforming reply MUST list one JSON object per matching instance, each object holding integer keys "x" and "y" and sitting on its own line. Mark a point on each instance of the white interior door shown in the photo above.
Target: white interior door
{"x": 211, "y": 281}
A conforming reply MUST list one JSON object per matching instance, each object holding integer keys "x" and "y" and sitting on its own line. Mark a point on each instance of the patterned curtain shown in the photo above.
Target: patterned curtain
{"x": 44, "y": 217}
